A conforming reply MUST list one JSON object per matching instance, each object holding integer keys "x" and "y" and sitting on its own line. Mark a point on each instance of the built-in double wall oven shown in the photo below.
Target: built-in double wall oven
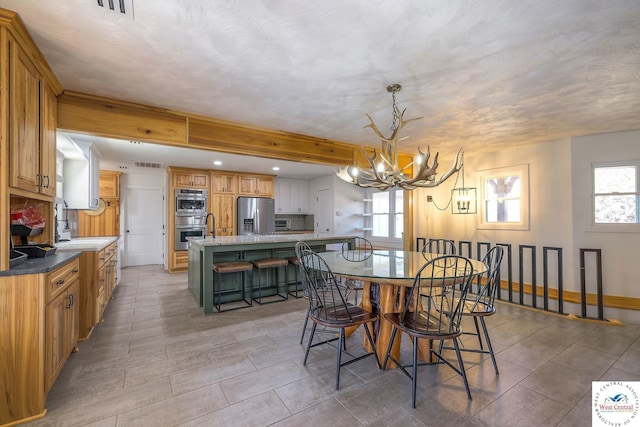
{"x": 191, "y": 215}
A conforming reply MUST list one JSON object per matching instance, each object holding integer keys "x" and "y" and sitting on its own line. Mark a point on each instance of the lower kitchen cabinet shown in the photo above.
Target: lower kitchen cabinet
{"x": 39, "y": 331}
{"x": 98, "y": 279}
{"x": 180, "y": 260}
{"x": 62, "y": 328}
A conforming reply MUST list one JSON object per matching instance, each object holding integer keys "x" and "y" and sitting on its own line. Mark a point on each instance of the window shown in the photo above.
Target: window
{"x": 505, "y": 198}
{"x": 387, "y": 212}
{"x": 615, "y": 193}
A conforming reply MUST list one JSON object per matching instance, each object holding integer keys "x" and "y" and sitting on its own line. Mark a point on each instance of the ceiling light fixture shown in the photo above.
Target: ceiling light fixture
{"x": 385, "y": 171}
{"x": 217, "y": 162}
{"x": 275, "y": 168}
{"x": 464, "y": 200}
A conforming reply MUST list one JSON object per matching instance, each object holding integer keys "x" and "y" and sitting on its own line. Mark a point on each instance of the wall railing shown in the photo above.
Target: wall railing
{"x": 551, "y": 296}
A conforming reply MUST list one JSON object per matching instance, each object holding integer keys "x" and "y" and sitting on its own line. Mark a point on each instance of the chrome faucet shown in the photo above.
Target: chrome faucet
{"x": 213, "y": 223}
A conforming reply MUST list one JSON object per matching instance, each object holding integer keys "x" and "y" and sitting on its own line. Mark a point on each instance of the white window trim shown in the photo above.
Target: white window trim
{"x": 523, "y": 172}
{"x": 387, "y": 242}
{"x": 609, "y": 228}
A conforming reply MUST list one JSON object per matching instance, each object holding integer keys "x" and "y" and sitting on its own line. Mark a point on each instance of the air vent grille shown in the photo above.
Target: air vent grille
{"x": 117, "y": 7}
{"x": 152, "y": 165}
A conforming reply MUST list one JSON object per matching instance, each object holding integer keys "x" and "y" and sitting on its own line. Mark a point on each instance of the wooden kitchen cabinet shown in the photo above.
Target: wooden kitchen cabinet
{"x": 180, "y": 260}
{"x": 109, "y": 184}
{"x": 256, "y": 185}
{"x": 48, "y": 127}
{"x": 224, "y": 210}
{"x": 181, "y": 178}
{"x": 107, "y": 222}
{"x": 223, "y": 183}
{"x": 61, "y": 318}
{"x": 98, "y": 278}
{"x": 39, "y": 332}
{"x": 32, "y": 125}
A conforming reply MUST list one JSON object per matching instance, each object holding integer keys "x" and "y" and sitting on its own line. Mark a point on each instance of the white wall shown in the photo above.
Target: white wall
{"x": 560, "y": 200}
{"x": 621, "y": 269}
{"x": 346, "y": 206}
{"x": 140, "y": 177}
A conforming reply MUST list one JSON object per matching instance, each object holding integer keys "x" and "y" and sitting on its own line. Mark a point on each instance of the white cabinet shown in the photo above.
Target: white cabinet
{"x": 292, "y": 196}
{"x": 82, "y": 181}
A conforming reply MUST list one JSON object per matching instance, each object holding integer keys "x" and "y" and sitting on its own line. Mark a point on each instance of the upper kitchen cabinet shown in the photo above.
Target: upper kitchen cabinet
{"x": 82, "y": 179}
{"x": 192, "y": 178}
{"x": 32, "y": 124}
{"x": 224, "y": 183}
{"x": 292, "y": 196}
{"x": 256, "y": 185}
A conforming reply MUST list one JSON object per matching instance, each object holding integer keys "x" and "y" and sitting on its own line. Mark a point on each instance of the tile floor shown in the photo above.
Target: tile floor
{"x": 156, "y": 360}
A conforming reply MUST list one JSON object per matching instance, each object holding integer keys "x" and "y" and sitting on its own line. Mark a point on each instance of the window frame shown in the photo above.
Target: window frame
{"x": 391, "y": 242}
{"x": 522, "y": 171}
{"x": 612, "y": 227}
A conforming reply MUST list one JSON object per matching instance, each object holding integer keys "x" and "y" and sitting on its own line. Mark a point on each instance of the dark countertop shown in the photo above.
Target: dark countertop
{"x": 41, "y": 265}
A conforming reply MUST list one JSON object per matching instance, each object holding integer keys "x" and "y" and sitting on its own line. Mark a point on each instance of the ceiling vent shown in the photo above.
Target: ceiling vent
{"x": 152, "y": 165}
{"x": 117, "y": 7}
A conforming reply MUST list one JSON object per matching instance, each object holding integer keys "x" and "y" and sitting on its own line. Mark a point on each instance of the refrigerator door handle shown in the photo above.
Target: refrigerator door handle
{"x": 258, "y": 227}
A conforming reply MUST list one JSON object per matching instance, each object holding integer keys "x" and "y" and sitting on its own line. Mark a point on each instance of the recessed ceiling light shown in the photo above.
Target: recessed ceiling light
{"x": 275, "y": 168}
{"x": 217, "y": 162}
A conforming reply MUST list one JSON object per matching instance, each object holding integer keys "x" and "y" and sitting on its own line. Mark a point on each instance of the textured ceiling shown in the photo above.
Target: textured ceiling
{"x": 482, "y": 73}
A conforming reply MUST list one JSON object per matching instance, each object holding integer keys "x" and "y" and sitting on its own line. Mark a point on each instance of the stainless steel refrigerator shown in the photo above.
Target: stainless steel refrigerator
{"x": 256, "y": 215}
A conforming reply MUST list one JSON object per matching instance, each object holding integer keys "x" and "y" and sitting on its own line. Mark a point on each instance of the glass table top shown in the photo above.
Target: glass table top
{"x": 387, "y": 265}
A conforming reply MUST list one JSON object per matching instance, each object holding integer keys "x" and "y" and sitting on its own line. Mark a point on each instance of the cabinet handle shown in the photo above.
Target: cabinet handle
{"x": 48, "y": 181}
{"x": 75, "y": 270}
{"x": 60, "y": 282}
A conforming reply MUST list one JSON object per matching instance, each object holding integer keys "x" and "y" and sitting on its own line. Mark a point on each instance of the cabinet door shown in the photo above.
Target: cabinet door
{"x": 94, "y": 180}
{"x": 200, "y": 180}
{"x": 72, "y": 318}
{"x": 223, "y": 183}
{"x": 247, "y": 185}
{"x": 55, "y": 342}
{"x": 181, "y": 179}
{"x": 265, "y": 186}
{"x": 224, "y": 210}
{"x": 24, "y": 111}
{"x": 48, "y": 125}
{"x": 300, "y": 196}
{"x": 109, "y": 185}
{"x": 283, "y": 195}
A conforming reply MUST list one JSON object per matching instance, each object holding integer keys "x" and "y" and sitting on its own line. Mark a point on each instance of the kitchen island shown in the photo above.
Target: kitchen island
{"x": 203, "y": 252}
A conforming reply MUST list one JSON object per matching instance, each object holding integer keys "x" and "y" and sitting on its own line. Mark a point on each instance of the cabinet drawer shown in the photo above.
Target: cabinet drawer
{"x": 102, "y": 257}
{"x": 59, "y": 279}
{"x": 101, "y": 305}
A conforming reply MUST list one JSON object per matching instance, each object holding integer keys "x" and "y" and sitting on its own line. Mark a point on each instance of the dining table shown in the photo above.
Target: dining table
{"x": 387, "y": 276}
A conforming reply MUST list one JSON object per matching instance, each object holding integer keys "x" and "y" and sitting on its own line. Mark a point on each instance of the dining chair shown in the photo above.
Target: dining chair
{"x": 480, "y": 305}
{"x": 356, "y": 250}
{"x": 300, "y": 248}
{"x": 427, "y": 315}
{"x": 328, "y": 307}
{"x": 439, "y": 246}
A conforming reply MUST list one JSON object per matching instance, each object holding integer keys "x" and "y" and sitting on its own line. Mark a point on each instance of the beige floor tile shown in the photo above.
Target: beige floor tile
{"x": 175, "y": 410}
{"x": 258, "y": 411}
{"x": 157, "y": 360}
{"x": 261, "y": 380}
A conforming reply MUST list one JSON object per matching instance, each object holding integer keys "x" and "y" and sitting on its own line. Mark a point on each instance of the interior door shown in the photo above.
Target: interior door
{"x": 144, "y": 230}
{"x": 324, "y": 223}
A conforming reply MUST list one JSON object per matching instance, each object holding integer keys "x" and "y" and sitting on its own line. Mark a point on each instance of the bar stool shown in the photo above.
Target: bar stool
{"x": 267, "y": 264}
{"x": 297, "y": 291}
{"x": 226, "y": 268}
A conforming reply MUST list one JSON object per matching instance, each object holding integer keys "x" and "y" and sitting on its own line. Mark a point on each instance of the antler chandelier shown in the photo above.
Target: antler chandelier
{"x": 385, "y": 171}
